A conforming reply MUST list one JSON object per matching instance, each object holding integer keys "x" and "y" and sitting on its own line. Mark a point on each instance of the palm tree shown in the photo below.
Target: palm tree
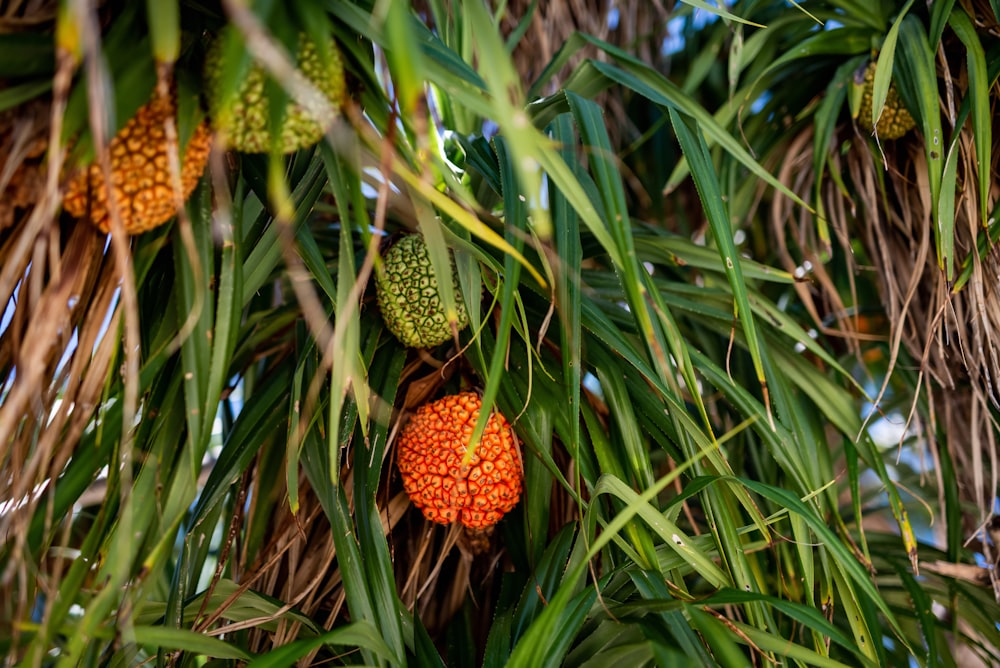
{"x": 700, "y": 292}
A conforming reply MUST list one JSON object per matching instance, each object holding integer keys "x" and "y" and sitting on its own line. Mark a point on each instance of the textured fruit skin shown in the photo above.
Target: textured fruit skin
{"x": 244, "y": 118}
{"x": 407, "y": 293}
{"x": 895, "y": 120}
{"x": 140, "y": 176}
{"x": 431, "y": 449}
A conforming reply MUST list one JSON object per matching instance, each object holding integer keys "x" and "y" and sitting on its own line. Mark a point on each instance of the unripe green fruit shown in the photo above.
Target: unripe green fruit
{"x": 407, "y": 292}
{"x": 895, "y": 121}
{"x": 244, "y": 118}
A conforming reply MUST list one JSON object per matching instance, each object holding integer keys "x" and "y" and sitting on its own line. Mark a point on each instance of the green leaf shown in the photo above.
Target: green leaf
{"x": 164, "y": 29}
{"x": 185, "y": 640}
{"x": 842, "y": 556}
{"x": 918, "y": 86}
{"x": 694, "y": 147}
{"x": 979, "y": 98}
{"x": 355, "y": 635}
{"x": 27, "y": 55}
{"x": 884, "y": 68}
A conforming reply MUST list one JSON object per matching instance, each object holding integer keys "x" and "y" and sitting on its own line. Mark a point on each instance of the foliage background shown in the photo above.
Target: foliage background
{"x": 702, "y": 288}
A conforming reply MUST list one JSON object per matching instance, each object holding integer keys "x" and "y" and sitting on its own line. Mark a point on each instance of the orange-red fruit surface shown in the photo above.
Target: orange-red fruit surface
{"x": 432, "y": 447}
{"x": 140, "y": 177}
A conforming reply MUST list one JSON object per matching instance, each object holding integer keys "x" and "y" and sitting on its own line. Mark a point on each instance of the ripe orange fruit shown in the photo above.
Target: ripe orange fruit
{"x": 140, "y": 177}
{"x": 432, "y": 448}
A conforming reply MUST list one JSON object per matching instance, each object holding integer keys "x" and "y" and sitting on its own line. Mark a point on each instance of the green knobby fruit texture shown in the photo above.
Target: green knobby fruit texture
{"x": 407, "y": 292}
{"x": 244, "y": 118}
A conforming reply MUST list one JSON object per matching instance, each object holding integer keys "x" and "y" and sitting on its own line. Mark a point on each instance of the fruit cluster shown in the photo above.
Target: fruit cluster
{"x": 140, "y": 177}
{"x": 434, "y": 444}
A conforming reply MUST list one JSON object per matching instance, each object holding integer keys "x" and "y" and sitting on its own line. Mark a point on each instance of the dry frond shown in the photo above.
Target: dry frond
{"x": 641, "y": 27}
{"x": 952, "y": 336}
{"x": 23, "y": 139}
{"x": 18, "y": 15}
{"x": 55, "y": 360}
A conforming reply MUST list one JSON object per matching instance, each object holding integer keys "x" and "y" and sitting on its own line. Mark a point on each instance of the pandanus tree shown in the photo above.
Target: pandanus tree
{"x": 527, "y": 333}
